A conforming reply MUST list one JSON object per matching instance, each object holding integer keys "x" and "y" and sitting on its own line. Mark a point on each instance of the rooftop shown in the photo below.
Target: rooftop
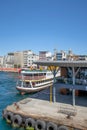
{"x": 63, "y": 63}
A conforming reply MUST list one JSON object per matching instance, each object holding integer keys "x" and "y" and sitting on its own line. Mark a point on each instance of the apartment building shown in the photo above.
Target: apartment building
{"x": 8, "y": 60}
{"x": 18, "y": 59}
{"x": 82, "y": 57}
{"x": 1, "y": 61}
{"x": 25, "y": 58}
{"x": 45, "y": 55}
{"x": 31, "y": 57}
{"x": 61, "y": 55}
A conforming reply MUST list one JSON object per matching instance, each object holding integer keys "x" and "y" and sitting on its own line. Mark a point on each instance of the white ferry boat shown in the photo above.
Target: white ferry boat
{"x": 35, "y": 80}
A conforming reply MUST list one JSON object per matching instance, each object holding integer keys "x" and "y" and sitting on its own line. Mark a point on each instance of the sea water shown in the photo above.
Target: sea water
{"x": 8, "y": 95}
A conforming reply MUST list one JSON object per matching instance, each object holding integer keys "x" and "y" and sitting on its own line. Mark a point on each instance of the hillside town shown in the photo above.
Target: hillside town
{"x": 25, "y": 59}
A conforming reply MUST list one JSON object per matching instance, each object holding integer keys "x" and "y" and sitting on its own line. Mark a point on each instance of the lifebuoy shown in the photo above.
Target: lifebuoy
{"x": 30, "y": 122}
{"x": 63, "y": 128}
{"x": 23, "y": 122}
{"x": 9, "y": 117}
{"x": 17, "y": 120}
{"x": 51, "y": 126}
{"x": 40, "y": 125}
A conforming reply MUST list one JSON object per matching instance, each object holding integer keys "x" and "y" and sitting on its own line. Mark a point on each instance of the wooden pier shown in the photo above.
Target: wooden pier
{"x": 47, "y": 113}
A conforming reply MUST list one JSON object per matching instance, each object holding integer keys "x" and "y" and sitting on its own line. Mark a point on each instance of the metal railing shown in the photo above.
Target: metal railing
{"x": 70, "y": 81}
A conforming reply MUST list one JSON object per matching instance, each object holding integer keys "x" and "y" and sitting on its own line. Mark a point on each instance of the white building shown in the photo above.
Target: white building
{"x": 45, "y": 55}
{"x": 31, "y": 57}
{"x": 61, "y": 55}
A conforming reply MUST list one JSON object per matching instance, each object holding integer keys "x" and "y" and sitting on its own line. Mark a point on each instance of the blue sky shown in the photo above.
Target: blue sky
{"x": 43, "y": 25}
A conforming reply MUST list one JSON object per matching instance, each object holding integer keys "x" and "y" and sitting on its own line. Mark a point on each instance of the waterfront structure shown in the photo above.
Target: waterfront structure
{"x": 36, "y": 114}
{"x": 75, "y": 67}
{"x": 32, "y": 113}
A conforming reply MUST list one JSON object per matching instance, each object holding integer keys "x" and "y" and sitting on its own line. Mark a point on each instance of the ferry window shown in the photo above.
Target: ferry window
{"x": 28, "y": 75}
{"x": 27, "y": 84}
{"x": 35, "y": 74}
{"x": 40, "y": 74}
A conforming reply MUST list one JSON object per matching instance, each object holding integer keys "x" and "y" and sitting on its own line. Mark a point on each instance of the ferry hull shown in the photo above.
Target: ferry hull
{"x": 23, "y": 90}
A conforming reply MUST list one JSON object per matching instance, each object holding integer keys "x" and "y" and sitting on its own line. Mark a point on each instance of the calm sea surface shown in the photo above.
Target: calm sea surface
{"x": 8, "y": 95}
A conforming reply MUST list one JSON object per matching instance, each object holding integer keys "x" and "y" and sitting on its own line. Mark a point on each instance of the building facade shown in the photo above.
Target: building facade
{"x": 31, "y": 57}
{"x": 45, "y": 55}
{"x": 1, "y": 61}
{"x": 8, "y": 60}
{"x": 25, "y": 58}
{"x": 61, "y": 55}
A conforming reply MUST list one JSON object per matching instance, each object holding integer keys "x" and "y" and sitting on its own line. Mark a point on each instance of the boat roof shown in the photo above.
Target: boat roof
{"x": 34, "y": 71}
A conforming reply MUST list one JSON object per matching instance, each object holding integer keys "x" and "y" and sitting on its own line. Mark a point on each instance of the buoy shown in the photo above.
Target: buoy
{"x": 9, "y": 117}
{"x": 17, "y": 121}
{"x": 29, "y": 122}
{"x": 63, "y": 128}
{"x": 40, "y": 125}
{"x": 51, "y": 126}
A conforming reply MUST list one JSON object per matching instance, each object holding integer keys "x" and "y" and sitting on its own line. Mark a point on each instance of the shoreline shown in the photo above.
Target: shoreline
{"x": 10, "y": 69}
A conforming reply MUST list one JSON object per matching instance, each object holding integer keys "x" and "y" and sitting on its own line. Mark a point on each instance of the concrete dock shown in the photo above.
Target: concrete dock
{"x": 74, "y": 118}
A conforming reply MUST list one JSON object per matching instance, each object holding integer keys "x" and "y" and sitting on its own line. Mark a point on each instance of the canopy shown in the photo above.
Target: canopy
{"x": 63, "y": 63}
